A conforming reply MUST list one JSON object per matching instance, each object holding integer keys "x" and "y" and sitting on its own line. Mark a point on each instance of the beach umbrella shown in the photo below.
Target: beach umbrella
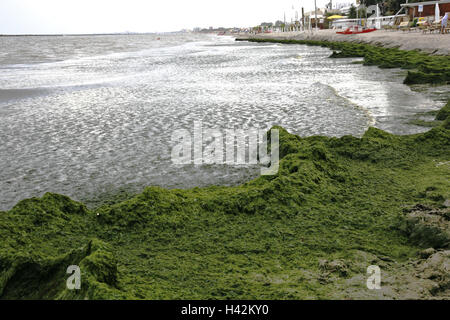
{"x": 335, "y": 17}
{"x": 437, "y": 13}
{"x": 378, "y": 22}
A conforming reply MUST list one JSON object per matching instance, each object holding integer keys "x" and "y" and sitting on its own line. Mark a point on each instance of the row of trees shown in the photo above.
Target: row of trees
{"x": 352, "y": 14}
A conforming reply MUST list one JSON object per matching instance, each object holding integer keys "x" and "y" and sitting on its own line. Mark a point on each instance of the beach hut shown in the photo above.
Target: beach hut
{"x": 312, "y": 15}
{"x": 426, "y": 8}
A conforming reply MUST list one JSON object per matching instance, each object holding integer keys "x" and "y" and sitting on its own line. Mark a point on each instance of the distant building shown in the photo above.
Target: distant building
{"x": 344, "y": 6}
{"x": 313, "y": 15}
{"x": 266, "y": 24}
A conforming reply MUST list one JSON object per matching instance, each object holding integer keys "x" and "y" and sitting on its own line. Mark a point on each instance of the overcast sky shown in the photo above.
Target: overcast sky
{"x": 100, "y": 16}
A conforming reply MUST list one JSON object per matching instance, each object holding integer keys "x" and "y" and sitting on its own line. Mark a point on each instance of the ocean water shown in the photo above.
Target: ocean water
{"x": 87, "y": 116}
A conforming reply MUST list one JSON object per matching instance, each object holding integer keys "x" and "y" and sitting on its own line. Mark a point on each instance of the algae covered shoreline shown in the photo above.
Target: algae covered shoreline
{"x": 336, "y": 206}
{"x": 434, "y": 44}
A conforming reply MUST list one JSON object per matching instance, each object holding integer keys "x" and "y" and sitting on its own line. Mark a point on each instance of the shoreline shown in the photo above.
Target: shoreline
{"x": 336, "y": 206}
{"x": 434, "y": 44}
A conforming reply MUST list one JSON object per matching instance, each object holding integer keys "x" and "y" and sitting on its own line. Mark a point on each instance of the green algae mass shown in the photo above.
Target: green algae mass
{"x": 444, "y": 113}
{"x": 422, "y": 67}
{"x": 336, "y": 206}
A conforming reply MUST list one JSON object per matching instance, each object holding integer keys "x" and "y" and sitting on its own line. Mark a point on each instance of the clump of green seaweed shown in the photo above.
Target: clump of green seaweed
{"x": 422, "y": 67}
{"x": 336, "y": 204}
{"x": 444, "y": 113}
{"x": 440, "y": 117}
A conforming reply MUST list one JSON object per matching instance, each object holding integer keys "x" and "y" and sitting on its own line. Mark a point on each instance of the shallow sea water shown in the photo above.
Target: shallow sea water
{"x": 92, "y": 115}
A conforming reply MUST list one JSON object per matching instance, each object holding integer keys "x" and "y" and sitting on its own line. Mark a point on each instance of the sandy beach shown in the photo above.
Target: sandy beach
{"x": 438, "y": 44}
